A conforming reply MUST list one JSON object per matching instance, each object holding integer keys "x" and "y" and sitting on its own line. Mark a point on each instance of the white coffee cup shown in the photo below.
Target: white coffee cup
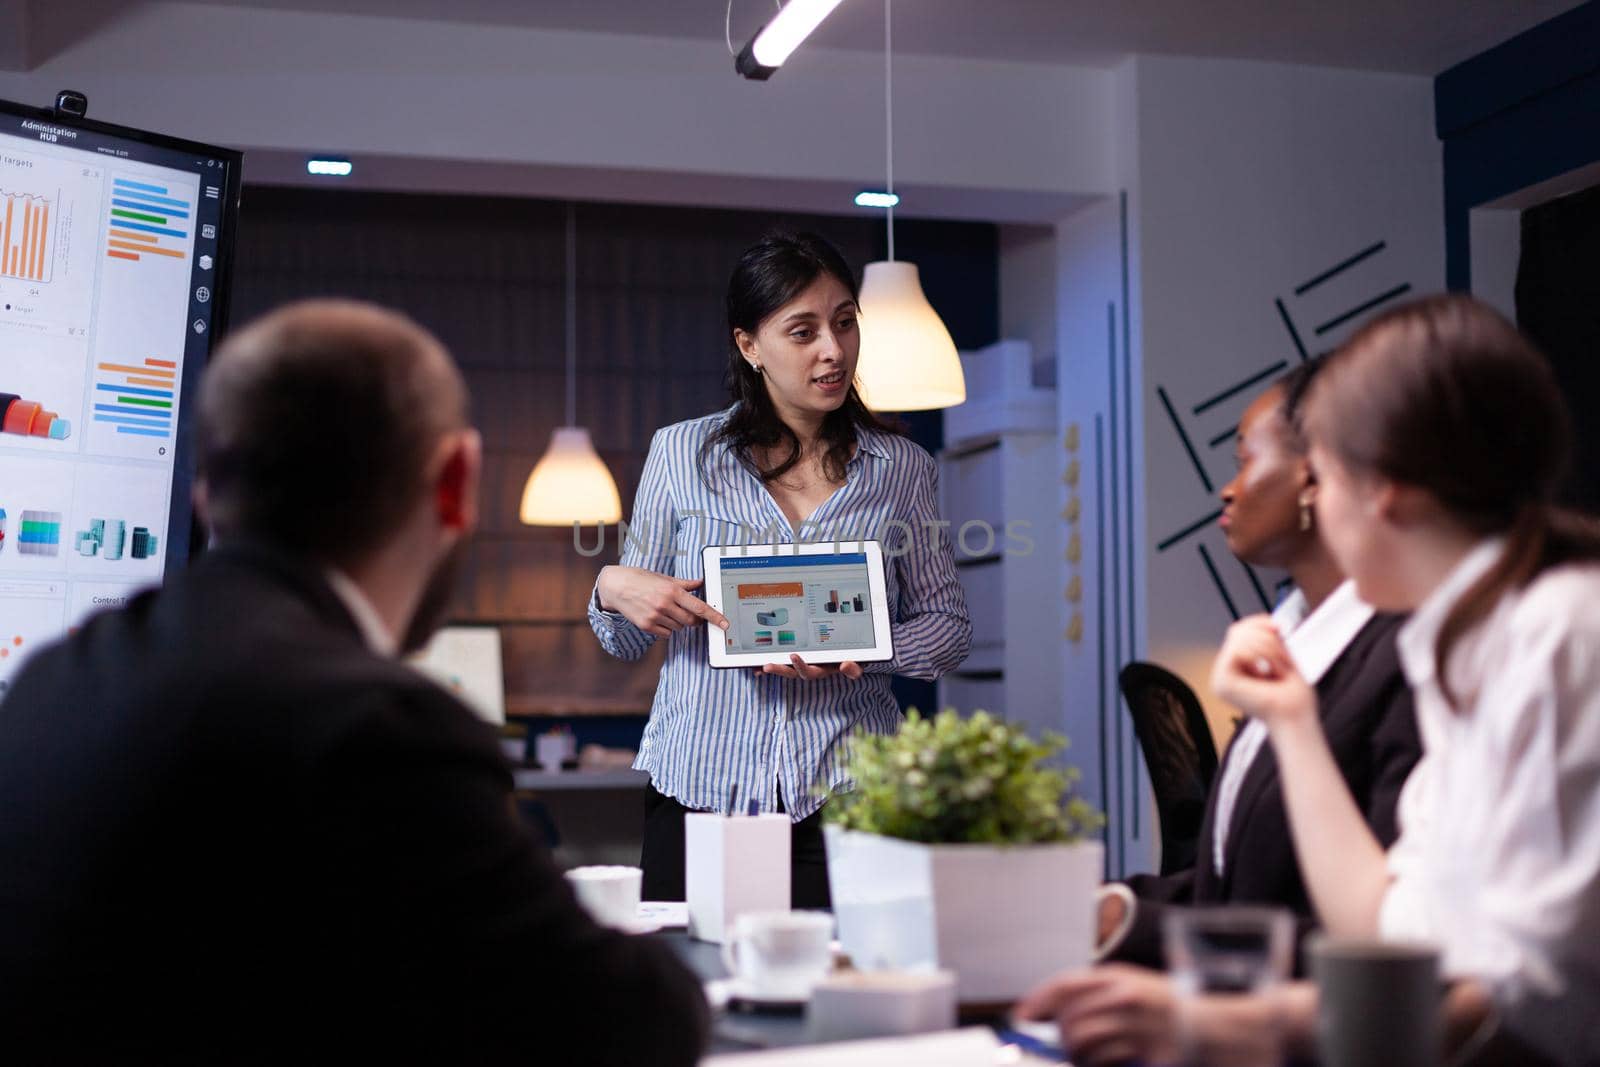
{"x": 609, "y": 894}
{"x": 779, "y": 954}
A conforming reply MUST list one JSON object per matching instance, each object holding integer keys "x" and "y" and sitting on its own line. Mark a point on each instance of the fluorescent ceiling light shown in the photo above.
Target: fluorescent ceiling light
{"x": 778, "y": 39}
{"x": 336, "y": 168}
{"x": 870, "y": 198}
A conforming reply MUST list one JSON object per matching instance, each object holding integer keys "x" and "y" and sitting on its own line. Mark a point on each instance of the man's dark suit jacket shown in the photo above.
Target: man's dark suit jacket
{"x": 230, "y": 832}
{"x": 1371, "y": 726}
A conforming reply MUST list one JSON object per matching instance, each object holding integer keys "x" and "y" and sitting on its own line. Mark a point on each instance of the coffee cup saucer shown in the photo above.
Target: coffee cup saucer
{"x": 736, "y": 992}
{"x": 638, "y": 924}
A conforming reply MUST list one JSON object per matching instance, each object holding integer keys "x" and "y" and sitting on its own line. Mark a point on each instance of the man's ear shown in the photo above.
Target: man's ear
{"x": 459, "y": 465}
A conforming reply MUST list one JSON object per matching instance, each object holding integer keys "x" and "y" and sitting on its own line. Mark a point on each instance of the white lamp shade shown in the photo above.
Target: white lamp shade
{"x": 570, "y": 483}
{"x": 908, "y": 362}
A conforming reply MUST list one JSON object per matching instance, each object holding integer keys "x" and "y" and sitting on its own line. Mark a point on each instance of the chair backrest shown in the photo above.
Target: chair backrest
{"x": 1179, "y": 753}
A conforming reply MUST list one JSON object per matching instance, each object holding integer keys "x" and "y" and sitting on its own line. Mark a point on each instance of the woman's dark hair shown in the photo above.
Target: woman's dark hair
{"x": 1445, "y": 394}
{"x": 770, "y": 273}
{"x": 1294, "y": 386}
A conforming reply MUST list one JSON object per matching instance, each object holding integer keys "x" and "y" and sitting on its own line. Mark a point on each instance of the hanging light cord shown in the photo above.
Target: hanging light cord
{"x": 572, "y": 315}
{"x": 888, "y": 116}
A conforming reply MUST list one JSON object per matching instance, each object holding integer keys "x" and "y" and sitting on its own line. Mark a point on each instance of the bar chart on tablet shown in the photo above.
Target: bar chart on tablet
{"x": 27, "y": 247}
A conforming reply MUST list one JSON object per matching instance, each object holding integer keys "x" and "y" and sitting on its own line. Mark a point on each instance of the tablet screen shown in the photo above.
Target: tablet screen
{"x": 789, "y": 603}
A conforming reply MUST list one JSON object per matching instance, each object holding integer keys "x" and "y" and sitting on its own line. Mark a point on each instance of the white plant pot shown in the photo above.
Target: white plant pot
{"x": 1001, "y": 917}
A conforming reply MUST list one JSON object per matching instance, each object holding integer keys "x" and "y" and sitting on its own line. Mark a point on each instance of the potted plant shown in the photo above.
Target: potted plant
{"x": 957, "y": 848}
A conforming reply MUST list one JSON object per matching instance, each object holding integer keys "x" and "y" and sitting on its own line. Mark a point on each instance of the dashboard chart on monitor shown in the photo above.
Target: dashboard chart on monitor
{"x": 114, "y": 250}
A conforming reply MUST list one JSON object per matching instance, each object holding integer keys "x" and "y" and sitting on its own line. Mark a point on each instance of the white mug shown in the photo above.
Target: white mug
{"x": 553, "y": 747}
{"x": 609, "y": 894}
{"x": 779, "y": 954}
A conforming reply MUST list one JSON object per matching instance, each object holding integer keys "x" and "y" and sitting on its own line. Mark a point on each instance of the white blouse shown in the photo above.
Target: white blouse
{"x": 1315, "y": 640}
{"x": 1498, "y": 860}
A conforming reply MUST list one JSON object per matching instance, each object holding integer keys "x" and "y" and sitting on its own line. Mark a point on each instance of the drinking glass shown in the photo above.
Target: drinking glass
{"x": 1214, "y": 954}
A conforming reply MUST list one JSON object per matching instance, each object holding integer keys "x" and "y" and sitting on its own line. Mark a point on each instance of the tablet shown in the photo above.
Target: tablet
{"x": 826, "y": 602}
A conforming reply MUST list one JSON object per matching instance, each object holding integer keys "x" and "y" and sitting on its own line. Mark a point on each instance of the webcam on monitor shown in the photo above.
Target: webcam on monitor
{"x": 70, "y": 102}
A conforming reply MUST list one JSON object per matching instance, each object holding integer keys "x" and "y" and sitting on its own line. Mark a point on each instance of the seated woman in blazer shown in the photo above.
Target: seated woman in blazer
{"x": 1439, "y": 438}
{"x": 1340, "y": 645}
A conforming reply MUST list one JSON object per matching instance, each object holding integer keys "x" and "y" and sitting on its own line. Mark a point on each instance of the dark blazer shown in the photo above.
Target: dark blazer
{"x": 1367, "y": 714}
{"x": 229, "y": 832}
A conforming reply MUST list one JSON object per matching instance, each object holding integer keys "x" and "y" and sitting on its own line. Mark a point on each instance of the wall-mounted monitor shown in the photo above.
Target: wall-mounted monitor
{"x": 115, "y": 255}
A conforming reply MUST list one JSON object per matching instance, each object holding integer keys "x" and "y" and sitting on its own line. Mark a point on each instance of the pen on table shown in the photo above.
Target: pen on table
{"x": 733, "y": 800}
{"x": 1031, "y": 1044}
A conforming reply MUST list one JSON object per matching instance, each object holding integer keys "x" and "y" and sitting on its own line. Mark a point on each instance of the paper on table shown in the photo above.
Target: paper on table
{"x": 975, "y": 1046}
{"x": 664, "y": 913}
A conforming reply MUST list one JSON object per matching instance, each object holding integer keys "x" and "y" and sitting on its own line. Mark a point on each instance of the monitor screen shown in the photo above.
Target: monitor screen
{"x": 115, "y": 249}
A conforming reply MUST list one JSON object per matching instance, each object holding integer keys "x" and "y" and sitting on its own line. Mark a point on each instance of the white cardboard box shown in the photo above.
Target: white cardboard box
{"x": 733, "y": 865}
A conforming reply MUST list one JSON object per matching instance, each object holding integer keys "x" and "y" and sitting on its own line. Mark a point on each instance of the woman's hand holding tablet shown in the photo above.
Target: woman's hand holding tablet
{"x": 810, "y": 671}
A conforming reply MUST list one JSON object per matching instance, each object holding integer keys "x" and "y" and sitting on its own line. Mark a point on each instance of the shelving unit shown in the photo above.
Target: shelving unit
{"x": 998, "y": 488}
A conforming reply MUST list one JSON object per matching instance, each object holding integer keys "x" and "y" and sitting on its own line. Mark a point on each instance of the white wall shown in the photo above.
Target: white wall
{"x": 1496, "y": 244}
{"x": 1095, "y": 637}
{"x": 1254, "y": 179}
{"x": 1243, "y": 182}
{"x": 295, "y": 82}
{"x": 1028, "y": 289}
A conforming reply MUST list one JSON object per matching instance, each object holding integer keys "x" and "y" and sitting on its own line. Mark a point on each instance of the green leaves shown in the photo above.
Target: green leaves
{"x": 949, "y": 780}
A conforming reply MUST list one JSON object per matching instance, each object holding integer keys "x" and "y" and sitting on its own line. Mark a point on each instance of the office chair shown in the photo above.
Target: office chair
{"x": 1179, "y": 753}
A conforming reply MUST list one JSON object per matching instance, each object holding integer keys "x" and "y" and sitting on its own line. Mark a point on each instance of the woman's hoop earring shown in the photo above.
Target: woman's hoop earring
{"x": 1305, "y": 510}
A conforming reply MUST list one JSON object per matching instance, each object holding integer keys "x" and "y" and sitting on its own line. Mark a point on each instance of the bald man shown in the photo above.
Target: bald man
{"x": 233, "y": 828}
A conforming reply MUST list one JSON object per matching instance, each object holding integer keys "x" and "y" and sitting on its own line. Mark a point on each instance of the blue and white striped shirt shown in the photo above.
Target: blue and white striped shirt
{"x": 711, "y": 729}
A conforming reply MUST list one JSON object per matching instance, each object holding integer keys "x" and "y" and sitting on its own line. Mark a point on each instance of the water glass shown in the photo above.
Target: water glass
{"x": 1215, "y": 953}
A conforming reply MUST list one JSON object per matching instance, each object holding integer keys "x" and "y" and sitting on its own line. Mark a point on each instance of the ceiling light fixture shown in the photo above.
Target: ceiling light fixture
{"x": 873, "y": 198}
{"x": 570, "y": 483}
{"x": 332, "y": 168}
{"x": 908, "y": 361}
{"x": 773, "y": 43}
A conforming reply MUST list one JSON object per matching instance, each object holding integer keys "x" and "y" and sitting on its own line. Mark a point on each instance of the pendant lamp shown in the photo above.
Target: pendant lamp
{"x": 908, "y": 361}
{"x": 570, "y": 483}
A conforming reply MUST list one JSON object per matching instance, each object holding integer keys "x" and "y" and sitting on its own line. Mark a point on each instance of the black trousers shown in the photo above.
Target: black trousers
{"x": 662, "y": 856}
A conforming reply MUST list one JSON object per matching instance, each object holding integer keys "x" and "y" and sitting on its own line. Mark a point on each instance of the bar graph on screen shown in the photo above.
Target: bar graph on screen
{"x": 27, "y": 243}
{"x": 146, "y": 221}
{"x": 136, "y": 399}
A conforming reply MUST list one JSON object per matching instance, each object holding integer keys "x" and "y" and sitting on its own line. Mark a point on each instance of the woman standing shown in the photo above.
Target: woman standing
{"x": 797, "y": 457}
